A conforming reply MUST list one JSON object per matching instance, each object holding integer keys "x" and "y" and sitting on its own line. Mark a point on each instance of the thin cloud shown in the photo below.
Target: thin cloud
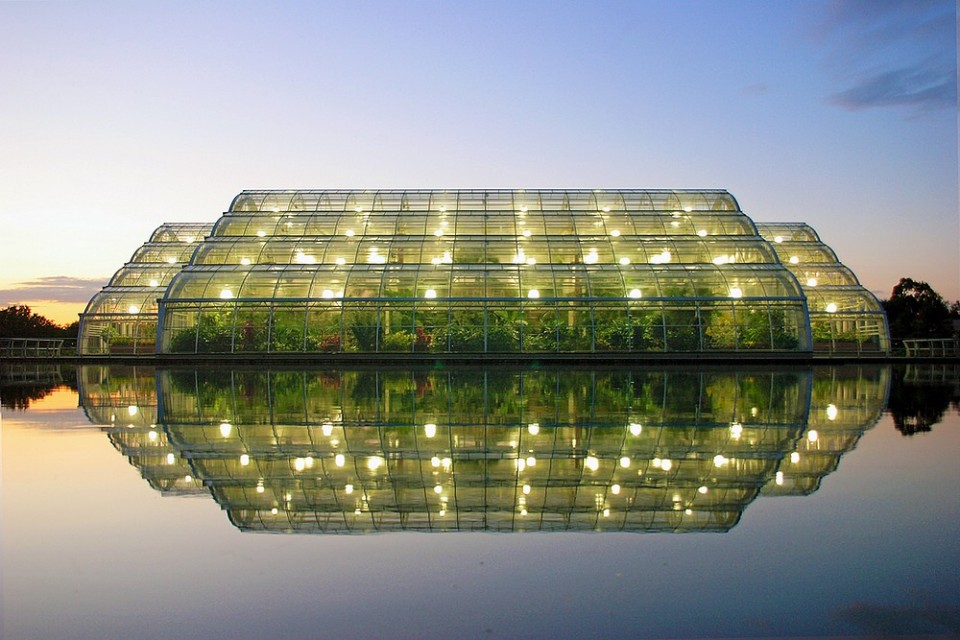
{"x": 890, "y": 53}
{"x": 52, "y": 289}
{"x": 756, "y": 89}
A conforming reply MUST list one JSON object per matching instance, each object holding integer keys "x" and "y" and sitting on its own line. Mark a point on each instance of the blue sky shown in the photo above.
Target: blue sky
{"x": 116, "y": 117}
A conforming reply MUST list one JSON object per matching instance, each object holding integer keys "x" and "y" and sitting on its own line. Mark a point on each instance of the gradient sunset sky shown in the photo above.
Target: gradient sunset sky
{"x": 116, "y": 117}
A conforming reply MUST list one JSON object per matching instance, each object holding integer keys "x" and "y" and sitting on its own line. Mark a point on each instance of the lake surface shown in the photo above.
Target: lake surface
{"x": 510, "y": 502}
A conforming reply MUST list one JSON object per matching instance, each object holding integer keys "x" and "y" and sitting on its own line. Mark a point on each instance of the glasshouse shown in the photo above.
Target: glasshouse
{"x": 473, "y": 272}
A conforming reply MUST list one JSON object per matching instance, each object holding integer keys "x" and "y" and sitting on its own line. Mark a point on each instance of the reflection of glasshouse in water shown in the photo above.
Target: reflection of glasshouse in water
{"x": 486, "y": 271}
{"x": 461, "y": 449}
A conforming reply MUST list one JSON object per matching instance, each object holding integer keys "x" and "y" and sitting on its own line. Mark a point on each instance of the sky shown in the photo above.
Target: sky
{"x": 118, "y": 116}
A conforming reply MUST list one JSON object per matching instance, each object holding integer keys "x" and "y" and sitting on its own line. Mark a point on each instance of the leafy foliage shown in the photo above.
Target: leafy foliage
{"x": 915, "y": 310}
{"x": 19, "y": 321}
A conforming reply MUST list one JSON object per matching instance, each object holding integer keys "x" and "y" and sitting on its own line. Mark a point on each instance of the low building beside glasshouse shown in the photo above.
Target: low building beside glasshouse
{"x": 498, "y": 272}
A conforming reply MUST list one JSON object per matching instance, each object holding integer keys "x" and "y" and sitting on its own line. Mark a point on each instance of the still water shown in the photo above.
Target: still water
{"x": 480, "y": 502}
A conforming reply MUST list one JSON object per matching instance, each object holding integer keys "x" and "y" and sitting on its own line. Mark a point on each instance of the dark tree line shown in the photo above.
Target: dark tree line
{"x": 19, "y": 321}
{"x": 915, "y": 310}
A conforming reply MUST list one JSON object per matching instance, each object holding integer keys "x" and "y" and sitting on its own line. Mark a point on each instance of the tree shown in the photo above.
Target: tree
{"x": 915, "y": 310}
{"x": 19, "y": 321}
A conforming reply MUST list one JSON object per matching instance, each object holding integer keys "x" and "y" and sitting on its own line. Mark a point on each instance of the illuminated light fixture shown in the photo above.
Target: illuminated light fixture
{"x": 702, "y": 490}
{"x": 636, "y": 294}
{"x": 154, "y": 283}
{"x": 736, "y": 292}
{"x": 592, "y": 463}
{"x": 438, "y": 232}
{"x": 615, "y": 233}
{"x": 299, "y": 464}
{"x": 358, "y": 209}
{"x": 625, "y": 462}
{"x": 531, "y": 461}
{"x": 261, "y": 234}
{"x": 661, "y": 258}
{"x": 446, "y": 462}
{"x": 531, "y": 261}
{"x": 245, "y": 262}
{"x": 430, "y": 294}
{"x": 523, "y": 209}
{"x": 831, "y": 412}
{"x": 134, "y": 309}
{"x": 533, "y": 294}
{"x": 778, "y": 239}
{"x": 435, "y": 461}
{"x": 794, "y": 457}
{"x": 430, "y": 429}
{"x": 831, "y": 307}
{"x": 348, "y": 489}
{"x": 375, "y": 257}
{"x": 606, "y": 513}
{"x": 357, "y": 512}
{"x": 674, "y": 223}
{"x": 624, "y": 260}
{"x": 171, "y": 260}
{"x": 736, "y": 430}
{"x": 152, "y": 436}
{"x": 794, "y": 260}
{"x": 606, "y": 209}
{"x": 189, "y": 239}
{"x": 303, "y": 258}
{"x": 435, "y": 261}
{"x": 339, "y": 460}
{"x": 526, "y": 489}
{"x": 327, "y": 293}
{"x": 666, "y": 464}
{"x": 244, "y": 460}
{"x": 374, "y": 463}
{"x": 438, "y": 489}
{"x": 521, "y": 464}
{"x": 615, "y": 489}
{"x": 635, "y": 428}
{"x": 274, "y": 511}
{"x": 720, "y": 460}
{"x": 171, "y": 459}
{"x": 527, "y": 233}
{"x": 702, "y": 233}
{"x": 349, "y": 233}
{"x": 688, "y": 209}
{"x": 327, "y": 429}
{"x": 779, "y": 479}
{"x": 591, "y": 257}
{"x": 260, "y": 487}
{"x": 226, "y": 294}
{"x": 533, "y": 428}
{"x": 340, "y": 261}
{"x": 442, "y": 209}
{"x": 811, "y": 282}
{"x": 520, "y": 258}
{"x": 523, "y": 512}
{"x": 226, "y": 429}
{"x": 812, "y": 435}
{"x": 447, "y": 258}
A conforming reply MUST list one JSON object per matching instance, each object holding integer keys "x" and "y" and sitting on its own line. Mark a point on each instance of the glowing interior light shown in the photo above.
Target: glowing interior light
{"x": 303, "y": 258}
{"x": 299, "y": 464}
{"x": 533, "y": 428}
{"x": 688, "y": 209}
{"x": 635, "y": 428}
{"x": 661, "y": 258}
{"x": 171, "y": 459}
{"x": 189, "y": 239}
{"x": 171, "y": 260}
{"x": 435, "y": 461}
{"x": 348, "y": 489}
{"x": 327, "y": 429}
{"x": 591, "y": 257}
{"x": 606, "y": 209}
{"x": 779, "y": 479}
{"x": 592, "y": 463}
{"x": 447, "y": 258}
{"x": 226, "y": 294}
{"x": 531, "y": 461}
{"x": 811, "y": 282}
{"x": 624, "y": 260}
{"x": 523, "y": 512}
{"x": 430, "y": 293}
{"x": 812, "y": 435}
{"x": 152, "y": 436}
{"x": 531, "y": 261}
{"x": 244, "y": 460}
{"x": 226, "y": 429}
{"x": 357, "y": 512}
{"x": 521, "y": 464}
{"x": 736, "y": 430}
{"x": 274, "y": 511}
{"x": 327, "y": 293}
{"x": 438, "y": 232}
{"x": 702, "y": 233}
{"x": 778, "y": 239}
{"x": 636, "y": 294}
{"x": 674, "y": 223}
{"x": 526, "y": 489}
{"x": 794, "y": 260}
{"x": 615, "y": 489}
{"x": 358, "y": 209}
{"x": 831, "y": 412}
{"x": 702, "y": 490}
{"x": 339, "y": 460}
{"x": 438, "y": 489}
{"x": 340, "y": 261}
{"x": 154, "y": 283}
{"x": 430, "y": 429}
{"x": 831, "y": 307}
{"x": 794, "y": 457}
{"x": 435, "y": 261}
{"x": 442, "y": 209}
{"x": 625, "y": 462}
{"x": 261, "y": 234}
{"x": 736, "y": 292}
{"x": 374, "y": 463}
{"x": 245, "y": 262}
{"x": 349, "y": 233}
{"x": 260, "y": 487}
{"x": 134, "y": 309}
{"x": 523, "y": 209}
{"x": 533, "y": 294}
{"x": 374, "y": 257}
{"x": 719, "y": 460}
{"x": 666, "y": 464}
{"x": 615, "y": 233}
{"x": 520, "y": 258}
{"x": 527, "y": 233}
{"x": 606, "y": 513}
